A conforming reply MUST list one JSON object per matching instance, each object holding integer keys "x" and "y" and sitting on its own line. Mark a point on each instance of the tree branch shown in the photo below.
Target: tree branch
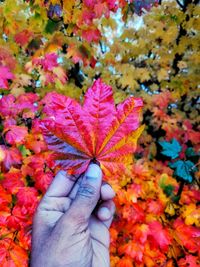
{"x": 179, "y": 3}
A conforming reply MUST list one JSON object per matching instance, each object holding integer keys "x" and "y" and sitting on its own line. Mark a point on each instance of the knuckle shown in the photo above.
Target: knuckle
{"x": 43, "y": 205}
{"x": 87, "y": 191}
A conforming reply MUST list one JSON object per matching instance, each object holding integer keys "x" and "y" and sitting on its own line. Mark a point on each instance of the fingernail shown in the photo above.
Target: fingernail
{"x": 110, "y": 189}
{"x": 93, "y": 172}
{"x": 62, "y": 172}
{"x": 104, "y": 213}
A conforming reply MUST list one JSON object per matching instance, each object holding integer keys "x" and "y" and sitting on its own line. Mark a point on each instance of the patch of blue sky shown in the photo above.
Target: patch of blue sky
{"x": 135, "y": 23}
{"x": 5, "y": 37}
{"x": 59, "y": 60}
{"x": 112, "y": 70}
{"x": 172, "y": 105}
{"x": 38, "y": 83}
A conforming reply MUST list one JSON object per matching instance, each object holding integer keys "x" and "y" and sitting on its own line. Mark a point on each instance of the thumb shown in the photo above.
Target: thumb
{"x": 87, "y": 196}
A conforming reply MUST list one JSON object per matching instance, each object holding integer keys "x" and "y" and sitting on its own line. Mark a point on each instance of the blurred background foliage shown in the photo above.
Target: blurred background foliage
{"x": 148, "y": 49}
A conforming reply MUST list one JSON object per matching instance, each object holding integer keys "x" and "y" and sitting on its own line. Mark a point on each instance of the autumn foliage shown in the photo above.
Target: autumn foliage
{"x": 110, "y": 81}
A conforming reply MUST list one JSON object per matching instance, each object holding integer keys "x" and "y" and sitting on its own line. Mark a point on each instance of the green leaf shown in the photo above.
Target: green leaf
{"x": 191, "y": 153}
{"x": 167, "y": 188}
{"x": 172, "y": 149}
{"x": 25, "y": 152}
{"x": 183, "y": 169}
{"x": 51, "y": 26}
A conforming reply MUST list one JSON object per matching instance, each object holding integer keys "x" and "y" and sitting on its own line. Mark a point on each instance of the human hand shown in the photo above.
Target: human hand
{"x": 69, "y": 228}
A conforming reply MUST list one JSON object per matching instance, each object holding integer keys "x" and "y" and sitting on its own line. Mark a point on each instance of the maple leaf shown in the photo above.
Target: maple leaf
{"x": 43, "y": 180}
{"x": 24, "y": 238}
{"x": 16, "y": 134}
{"x": 25, "y": 103}
{"x": 11, "y": 254}
{"x": 13, "y": 181}
{"x": 5, "y": 75}
{"x": 159, "y": 236}
{"x": 145, "y": 4}
{"x": 172, "y": 149}
{"x": 183, "y": 169}
{"x": 125, "y": 262}
{"x": 6, "y": 57}
{"x": 189, "y": 260}
{"x": 191, "y": 213}
{"x": 7, "y": 106}
{"x": 186, "y": 235}
{"x": 48, "y": 62}
{"x": 27, "y": 196}
{"x": 34, "y": 140}
{"x": 80, "y": 54}
{"x": 68, "y": 7}
{"x": 91, "y": 35}
{"x": 95, "y": 131}
{"x": 5, "y": 198}
{"x": 9, "y": 157}
{"x": 23, "y": 37}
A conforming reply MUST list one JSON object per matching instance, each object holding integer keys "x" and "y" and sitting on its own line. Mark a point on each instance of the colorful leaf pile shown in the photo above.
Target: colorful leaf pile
{"x": 50, "y": 54}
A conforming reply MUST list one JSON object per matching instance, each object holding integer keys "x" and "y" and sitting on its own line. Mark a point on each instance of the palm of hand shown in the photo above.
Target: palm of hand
{"x": 90, "y": 246}
{"x": 66, "y": 234}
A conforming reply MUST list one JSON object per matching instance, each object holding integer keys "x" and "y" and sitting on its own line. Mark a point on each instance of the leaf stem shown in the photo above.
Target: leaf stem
{"x": 180, "y": 4}
{"x": 95, "y": 161}
{"x": 178, "y": 195}
{"x": 198, "y": 163}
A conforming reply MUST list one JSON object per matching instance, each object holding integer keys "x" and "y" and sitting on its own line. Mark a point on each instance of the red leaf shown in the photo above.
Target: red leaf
{"x": 5, "y": 75}
{"x": 27, "y": 103}
{"x": 159, "y": 236}
{"x": 8, "y": 106}
{"x": 24, "y": 237}
{"x": 23, "y": 37}
{"x": 125, "y": 262}
{"x": 13, "y": 181}
{"x": 133, "y": 213}
{"x": 91, "y": 35}
{"x": 5, "y": 199}
{"x": 97, "y": 130}
{"x": 12, "y": 255}
{"x": 48, "y": 62}
{"x": 9, "y": 157}
{"x": 189, "y": 260}
{"x": 187, "y": 235}
{"x": 27, "y": 196}
{"x": 43, "y": 180}
{"x": 16, "y": 134}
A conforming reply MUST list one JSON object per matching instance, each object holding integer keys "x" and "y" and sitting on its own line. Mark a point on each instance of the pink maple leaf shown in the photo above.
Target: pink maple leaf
{"x": 5, "y": 75}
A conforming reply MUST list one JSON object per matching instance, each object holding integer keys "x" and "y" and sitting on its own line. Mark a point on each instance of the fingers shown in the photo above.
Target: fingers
{"x": 61, "y": 185}
{"x": 74, "y": 190}
{"x": 107, "y": 192}
{"x": 99, "y": 233}
{"x": 105, "y": 212}
{"x": 59, "y": 204}
{"x": 87, "y": 195}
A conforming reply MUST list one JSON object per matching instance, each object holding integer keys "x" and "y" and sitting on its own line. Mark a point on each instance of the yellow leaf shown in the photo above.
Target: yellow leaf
{"x": 68, "y": 7}
{"x": 162, "y": 74}
{"x": 2, "y": 154}
{"x": 191, "y": 213}
{"x": 170, "y": 209}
